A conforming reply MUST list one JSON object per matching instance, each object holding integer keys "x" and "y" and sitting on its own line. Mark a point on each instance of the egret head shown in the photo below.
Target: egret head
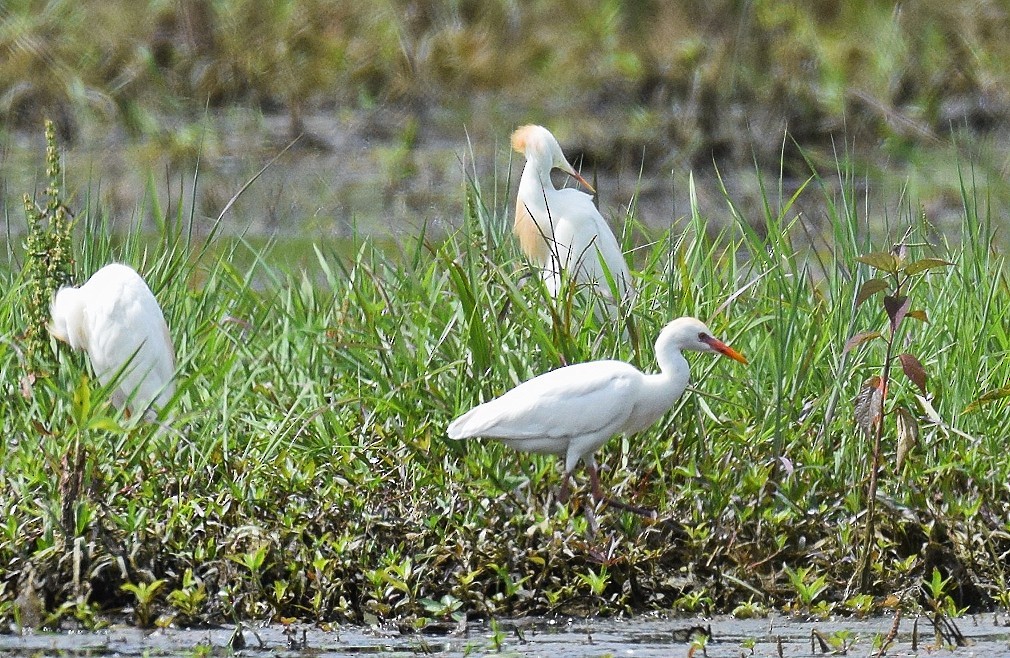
{"x": 691, "y": 334}
{"x": 67, "y": 311}
{"x": 540, "y": 147}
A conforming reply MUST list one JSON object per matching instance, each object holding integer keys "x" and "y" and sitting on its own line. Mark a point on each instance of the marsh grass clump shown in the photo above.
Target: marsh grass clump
{"x": 49, "y": 258}
{"x": 305, "y": 472}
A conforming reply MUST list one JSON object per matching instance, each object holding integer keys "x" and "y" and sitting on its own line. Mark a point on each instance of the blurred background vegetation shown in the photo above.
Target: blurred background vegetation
{"x": 636, "y": 85}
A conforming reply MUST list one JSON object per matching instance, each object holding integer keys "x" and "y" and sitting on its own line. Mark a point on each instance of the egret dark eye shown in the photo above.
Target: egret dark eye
{"x": 702, "y": 336}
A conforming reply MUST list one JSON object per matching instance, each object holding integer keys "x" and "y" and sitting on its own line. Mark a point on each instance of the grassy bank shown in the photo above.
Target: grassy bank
{"x": 303, "y": 469}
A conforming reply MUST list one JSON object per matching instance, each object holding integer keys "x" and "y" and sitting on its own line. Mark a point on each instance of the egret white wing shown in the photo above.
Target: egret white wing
{"x": 126, "y": 327}
{"x": 574, "y": 401}
{"x": 584, "y": 239}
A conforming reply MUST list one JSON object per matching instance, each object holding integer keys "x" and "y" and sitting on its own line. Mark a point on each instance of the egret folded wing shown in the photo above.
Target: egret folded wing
{"x": 561, "y": 405}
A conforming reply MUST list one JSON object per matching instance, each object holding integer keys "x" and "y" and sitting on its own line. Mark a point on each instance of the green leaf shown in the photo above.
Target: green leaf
{"x": 859, "y": 339}
{"x": 990, "y": 396}
{"x": 925, "y": 264}
{"x": 395, "y": 582}
{"x": 884, "y": 261}
{"x": 105, "y": 423}
{"x": 82, "y": 398}
{"x": 868, "y": 289}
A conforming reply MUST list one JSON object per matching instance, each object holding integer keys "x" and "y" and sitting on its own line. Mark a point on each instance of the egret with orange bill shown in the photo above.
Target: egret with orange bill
{"x": 574, "y": 410}
{"x": 561, "y": 230}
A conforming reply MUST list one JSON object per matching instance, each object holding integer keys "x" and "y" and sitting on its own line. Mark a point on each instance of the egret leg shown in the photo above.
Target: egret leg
{"x": 598, "y": 495}
{"x": 563, "y": 496}
{"x": 634, "y": 509}
{"x": 594, "y": 478}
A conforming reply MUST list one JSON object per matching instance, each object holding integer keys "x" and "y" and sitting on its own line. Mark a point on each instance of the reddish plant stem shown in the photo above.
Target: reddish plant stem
{"x": 871, "y": 490}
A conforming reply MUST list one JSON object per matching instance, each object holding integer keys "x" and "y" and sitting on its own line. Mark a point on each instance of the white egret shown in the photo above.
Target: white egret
{"x": 561, "y": 230}
{"x": 574, "y": 410}
{"x": 116, "y": 320}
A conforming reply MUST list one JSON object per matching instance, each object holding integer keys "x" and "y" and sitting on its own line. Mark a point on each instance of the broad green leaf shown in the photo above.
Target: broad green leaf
{"x": 395, "y": 582}
{"x": 925, "y": 264}
{"x": 868, "y": 289}
{"x": 82, "y": 398}
{"x": 884, "y": 261}
{"x": 859, "y": 339}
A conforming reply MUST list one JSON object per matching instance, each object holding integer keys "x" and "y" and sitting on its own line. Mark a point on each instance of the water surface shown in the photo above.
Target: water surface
{"x": 559, "y": 638}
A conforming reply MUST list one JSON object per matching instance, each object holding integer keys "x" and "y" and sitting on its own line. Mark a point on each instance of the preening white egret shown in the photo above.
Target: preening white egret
{"x": 116, "y": 320}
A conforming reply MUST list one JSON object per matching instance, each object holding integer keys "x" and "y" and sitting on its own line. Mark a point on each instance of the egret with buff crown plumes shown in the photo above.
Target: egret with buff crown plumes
{"x": 116, "y": 320}
{"x": 561, "y": 230}
{"x": 574, "y": 410}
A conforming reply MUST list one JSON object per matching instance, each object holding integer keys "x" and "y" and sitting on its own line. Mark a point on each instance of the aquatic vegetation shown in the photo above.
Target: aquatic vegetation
{"x": 303, "y": 471}
{"x": 144, "y": 595}
{"x": 808, "y": 587}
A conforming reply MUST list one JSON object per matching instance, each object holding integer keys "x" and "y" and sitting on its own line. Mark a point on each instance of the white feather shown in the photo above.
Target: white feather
{"x": 573, "y": 236}
{"x": 116, "y": 320}
{"x": 573, "y": 411}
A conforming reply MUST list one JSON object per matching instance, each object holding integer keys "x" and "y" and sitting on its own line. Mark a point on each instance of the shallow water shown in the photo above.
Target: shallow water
{"x": 639, "y": 636}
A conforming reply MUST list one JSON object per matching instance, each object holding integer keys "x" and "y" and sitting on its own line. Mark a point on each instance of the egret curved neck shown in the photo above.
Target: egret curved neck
{"x": 536, "y": 180}
{"x": 674, "y": 368}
